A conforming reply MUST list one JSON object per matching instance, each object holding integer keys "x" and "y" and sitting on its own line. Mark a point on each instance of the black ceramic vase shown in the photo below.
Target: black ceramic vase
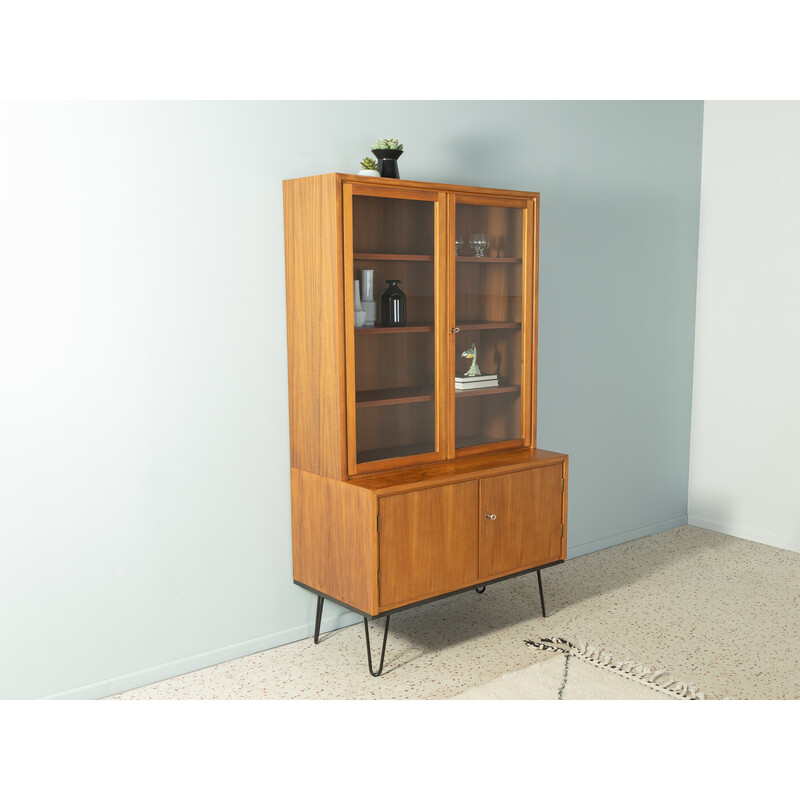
{"x": 387, "y": 162}
{"x": 393, "y": 306}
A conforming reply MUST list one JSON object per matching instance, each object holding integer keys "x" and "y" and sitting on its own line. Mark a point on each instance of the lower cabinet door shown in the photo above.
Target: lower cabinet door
{"x": 428, "y": 543}
{"x": 520, "y": 519}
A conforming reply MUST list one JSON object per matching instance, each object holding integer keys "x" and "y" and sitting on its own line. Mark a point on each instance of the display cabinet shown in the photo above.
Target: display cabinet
{"x": 414, "y": 467}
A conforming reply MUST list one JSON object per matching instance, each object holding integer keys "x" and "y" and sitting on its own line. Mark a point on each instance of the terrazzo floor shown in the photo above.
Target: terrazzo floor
{"x": 716, "y": 611}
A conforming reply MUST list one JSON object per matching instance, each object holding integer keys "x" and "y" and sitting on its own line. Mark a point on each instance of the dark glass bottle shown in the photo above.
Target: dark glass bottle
{"x": 393, "y": 306}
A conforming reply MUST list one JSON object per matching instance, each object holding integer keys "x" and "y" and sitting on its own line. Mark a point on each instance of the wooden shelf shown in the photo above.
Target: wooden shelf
{"x": 477, "y": 325}
{"x": 490, "y": 390}
{"x": 405, "y": 329}
{"x": 384, "y": 453}
{"x": 488, "y": 259}
{"x": 473, "y": 325}
{"x": 429, "y": 257}
{"x": 462, "y": 442}
{"x": 391, "y": 257}
{"x": 371, "y": 398}
{"x": 392, "y": 397}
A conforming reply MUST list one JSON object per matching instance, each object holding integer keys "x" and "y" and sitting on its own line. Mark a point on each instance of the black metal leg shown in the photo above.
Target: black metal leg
{"x": 541, "y": 591}
{"x": 369, "y": 649}
{"x": 320, "y": 601}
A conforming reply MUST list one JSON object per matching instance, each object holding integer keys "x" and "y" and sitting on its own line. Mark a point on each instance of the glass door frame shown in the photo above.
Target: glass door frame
{"x": 530, "y": 280}
{"x": 439, "y": 202}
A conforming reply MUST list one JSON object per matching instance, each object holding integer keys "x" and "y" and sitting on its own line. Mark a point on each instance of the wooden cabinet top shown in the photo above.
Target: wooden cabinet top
{"x": 422, "y": 476}
{"x": 367, "y": 180}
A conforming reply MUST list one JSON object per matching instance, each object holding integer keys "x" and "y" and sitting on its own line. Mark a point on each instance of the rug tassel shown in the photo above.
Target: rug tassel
{"x": 599, "y": 656}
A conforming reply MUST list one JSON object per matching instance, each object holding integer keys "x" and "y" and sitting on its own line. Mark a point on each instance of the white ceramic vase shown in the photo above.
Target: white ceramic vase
{"x": 370, "y": 309}
{"x": 359, "y": 314}
{"x": 357, "y": 296}
{"x": 367, "y": 276}
{"x": 368, "y": 303}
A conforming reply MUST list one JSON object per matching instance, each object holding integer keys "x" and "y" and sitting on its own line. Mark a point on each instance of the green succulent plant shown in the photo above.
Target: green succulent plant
{"x": 387, "y": 144}
{"x": 369, "y": 163}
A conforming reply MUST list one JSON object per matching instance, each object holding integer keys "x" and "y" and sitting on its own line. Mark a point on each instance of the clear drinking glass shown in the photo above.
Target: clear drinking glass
{"x": 459, "y": 244}
{"x": 479, "y": 243}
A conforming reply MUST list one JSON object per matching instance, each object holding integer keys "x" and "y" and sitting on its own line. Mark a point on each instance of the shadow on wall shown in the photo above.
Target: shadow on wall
{"x": 475, "y": 154}
{"x": 595, "y": 574}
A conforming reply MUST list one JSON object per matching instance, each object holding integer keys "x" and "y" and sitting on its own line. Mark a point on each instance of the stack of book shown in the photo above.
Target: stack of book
{"x": 465, "y": 383}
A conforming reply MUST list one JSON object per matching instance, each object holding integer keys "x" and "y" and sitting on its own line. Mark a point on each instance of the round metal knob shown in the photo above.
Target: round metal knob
{"x": 491, "y": 516}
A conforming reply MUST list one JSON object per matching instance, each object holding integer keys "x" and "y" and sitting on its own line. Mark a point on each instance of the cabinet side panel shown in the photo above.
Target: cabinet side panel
{"x": 315, "y": 335}
{"x": 334, "y": 539}
{"x": 532, "y": 314}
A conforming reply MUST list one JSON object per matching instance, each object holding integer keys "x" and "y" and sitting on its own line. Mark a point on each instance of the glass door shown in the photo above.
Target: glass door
{"x": 492, "y": 315}
{"x": 394, "y": 315}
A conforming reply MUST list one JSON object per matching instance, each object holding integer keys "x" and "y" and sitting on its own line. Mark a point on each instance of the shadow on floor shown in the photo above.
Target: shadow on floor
{"x": 468, "y": 616}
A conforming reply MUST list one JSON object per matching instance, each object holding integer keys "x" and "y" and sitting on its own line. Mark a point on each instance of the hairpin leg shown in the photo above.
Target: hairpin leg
{"x": 541, "y": 591}
{"x": 369, "y": 649}
{"x": 320, "y": 601}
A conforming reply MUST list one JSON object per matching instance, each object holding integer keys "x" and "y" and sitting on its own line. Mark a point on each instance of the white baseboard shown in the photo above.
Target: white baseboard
{"x": 743, "y": 532}
{"x": 161, "y": 672}
{"x": 625, "y": 536}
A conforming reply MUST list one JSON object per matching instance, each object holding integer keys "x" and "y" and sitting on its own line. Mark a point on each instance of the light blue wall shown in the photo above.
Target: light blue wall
{"x": 144, "y": 501}
{"x": 620, "y": 186}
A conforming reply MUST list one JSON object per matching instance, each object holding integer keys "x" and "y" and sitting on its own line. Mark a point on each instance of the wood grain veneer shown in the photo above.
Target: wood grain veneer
{"x": 315, "y": 337}
{"x": 378, "y": 436}
{"x": 334, "y": 542}
{"x": 428, "y": 543}
{"x": 411, "y": 478}
{"x": 527, "y": 528}
{"x": 378, "y": 186}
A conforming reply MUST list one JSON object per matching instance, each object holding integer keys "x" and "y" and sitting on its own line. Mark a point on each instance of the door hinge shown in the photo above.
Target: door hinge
{"x": 562, "y": 530}
{"x": 379, "y": 523}
{"x": 562, "y": 485}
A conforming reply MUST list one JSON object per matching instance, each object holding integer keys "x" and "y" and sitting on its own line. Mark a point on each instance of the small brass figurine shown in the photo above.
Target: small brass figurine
{"x": 473, "y": 354}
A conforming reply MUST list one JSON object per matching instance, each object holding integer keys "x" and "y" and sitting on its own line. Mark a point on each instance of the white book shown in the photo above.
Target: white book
{"x": 465, "y": 387}
{"x": 466, "y": 379}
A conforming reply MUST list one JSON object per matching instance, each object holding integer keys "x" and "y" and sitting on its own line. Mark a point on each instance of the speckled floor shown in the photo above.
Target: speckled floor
{"x": 713, "y": 610}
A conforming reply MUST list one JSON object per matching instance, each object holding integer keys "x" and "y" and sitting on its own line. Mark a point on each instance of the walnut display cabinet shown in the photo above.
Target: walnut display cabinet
{"x": 406, "y": 488}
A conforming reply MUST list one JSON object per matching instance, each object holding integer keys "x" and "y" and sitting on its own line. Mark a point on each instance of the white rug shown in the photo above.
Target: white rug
{"x": 582, "y": 672}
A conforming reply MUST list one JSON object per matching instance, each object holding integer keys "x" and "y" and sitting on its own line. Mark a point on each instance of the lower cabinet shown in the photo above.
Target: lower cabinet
{"x": 438, "y": 540}
{"x": 381, "y": 542}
